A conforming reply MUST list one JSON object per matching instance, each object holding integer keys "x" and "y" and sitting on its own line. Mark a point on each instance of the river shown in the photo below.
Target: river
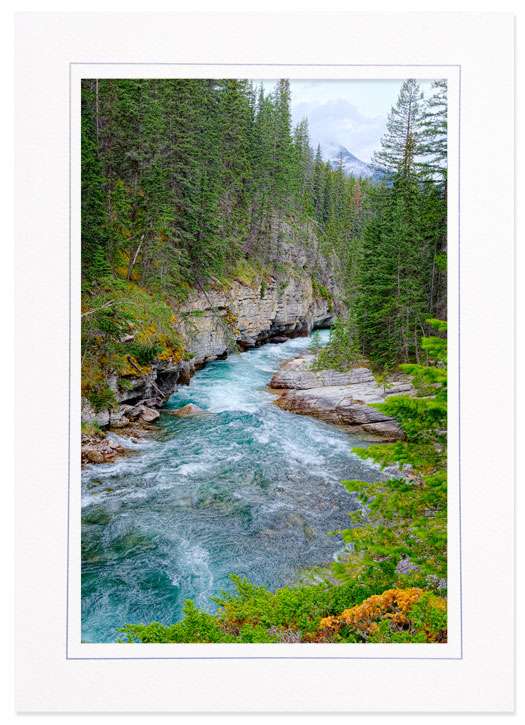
{"x": 247, "y": 488}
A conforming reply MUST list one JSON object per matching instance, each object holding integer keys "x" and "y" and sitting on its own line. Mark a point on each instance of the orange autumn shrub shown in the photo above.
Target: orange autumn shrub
{"x": 396, "y": 615}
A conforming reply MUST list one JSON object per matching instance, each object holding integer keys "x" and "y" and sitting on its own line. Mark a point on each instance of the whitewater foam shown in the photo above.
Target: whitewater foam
{"x": 248, "y": 489}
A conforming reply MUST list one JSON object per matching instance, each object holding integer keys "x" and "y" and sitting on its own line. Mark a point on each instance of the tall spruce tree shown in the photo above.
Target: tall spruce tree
{"x": 396, "y": 285}
{"x": 401, "y": 145}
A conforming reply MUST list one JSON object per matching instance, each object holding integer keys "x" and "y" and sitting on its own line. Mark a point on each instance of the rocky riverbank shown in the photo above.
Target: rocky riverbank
{"x": 338, "y": 397}
{"x": 254, "y": 308}
{"x": 97, "y": 448}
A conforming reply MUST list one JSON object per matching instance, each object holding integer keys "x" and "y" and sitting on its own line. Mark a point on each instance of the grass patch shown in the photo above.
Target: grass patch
{"x": 246, "y": 272}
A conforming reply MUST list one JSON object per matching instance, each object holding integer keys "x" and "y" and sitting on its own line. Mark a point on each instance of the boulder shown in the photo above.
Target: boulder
{"x": 121, "y": 422}
{"x": 134, "y": 412}
{"x": 119, "y": 416}
{"x": 137, "y": 413}
{"x": 189, "y": 410}
{"x": 148, "y": 415}
{"x": 100, "y": 450}
{"x": 115, "y": 446}
{"x": 93, "y": 455}
{"x": 247, "y": 341}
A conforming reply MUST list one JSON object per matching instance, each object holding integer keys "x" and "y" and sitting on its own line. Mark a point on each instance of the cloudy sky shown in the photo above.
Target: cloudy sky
{"x": 349, "y": 113}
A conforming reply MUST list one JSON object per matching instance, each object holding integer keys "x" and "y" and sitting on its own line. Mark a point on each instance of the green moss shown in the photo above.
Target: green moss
{"x": 245, "y": 272}
{"x": 101, "y": 397}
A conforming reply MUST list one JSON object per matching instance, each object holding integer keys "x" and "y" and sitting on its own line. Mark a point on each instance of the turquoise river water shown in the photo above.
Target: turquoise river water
{"x": 247, "y": 489}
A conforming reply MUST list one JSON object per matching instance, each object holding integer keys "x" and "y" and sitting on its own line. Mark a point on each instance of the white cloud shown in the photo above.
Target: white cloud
{"x": 339, "y": 122}
{"x": 350, "y": 113}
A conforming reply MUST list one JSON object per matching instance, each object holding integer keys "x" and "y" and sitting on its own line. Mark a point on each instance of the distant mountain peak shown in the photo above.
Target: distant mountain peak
{"x": 351, "y": 164}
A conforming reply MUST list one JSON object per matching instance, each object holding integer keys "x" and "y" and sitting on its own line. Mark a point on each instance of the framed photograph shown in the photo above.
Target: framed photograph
{"x": 259, "y": 301}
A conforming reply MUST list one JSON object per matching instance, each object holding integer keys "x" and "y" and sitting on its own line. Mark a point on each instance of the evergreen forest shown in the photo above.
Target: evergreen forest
{"x": 189, "y": 184}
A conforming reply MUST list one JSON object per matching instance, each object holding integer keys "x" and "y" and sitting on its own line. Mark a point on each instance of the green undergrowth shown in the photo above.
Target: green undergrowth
{"x": 310, "y": 613}
{"x": 93, "y": 430}
{"x": 254, "y": 614}
{"x": 340, "y": 353}
{"x": 247, "y": 272}
{"x": 389, "y": 585}
{"x": 124, "y": 329}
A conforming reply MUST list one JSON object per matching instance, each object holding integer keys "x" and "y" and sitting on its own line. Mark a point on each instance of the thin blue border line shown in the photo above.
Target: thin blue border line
{"x": 264, "y": 657}
{"x": 69, "y": 389}
{"x": 288, "y": 65}
{"x": 303, "y": 65}
{"x": 459, "y": 367}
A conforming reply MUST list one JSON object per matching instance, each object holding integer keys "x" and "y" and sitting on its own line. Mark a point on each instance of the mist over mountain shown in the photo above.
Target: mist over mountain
{"x": 351, "y": 164}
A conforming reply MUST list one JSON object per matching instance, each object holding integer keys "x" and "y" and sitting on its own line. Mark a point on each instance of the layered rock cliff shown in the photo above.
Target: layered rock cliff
{"x": 297, "y": 296}
{"x": 249, "y": 316}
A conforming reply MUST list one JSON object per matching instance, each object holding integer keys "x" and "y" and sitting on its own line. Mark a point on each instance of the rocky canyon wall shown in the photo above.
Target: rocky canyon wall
{"x": 214, "y": 322}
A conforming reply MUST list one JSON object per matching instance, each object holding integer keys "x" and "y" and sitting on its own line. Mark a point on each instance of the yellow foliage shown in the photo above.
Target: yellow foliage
{"x": 245, "y": 273}
{"x": 393, "y": 604}
{"x": 121, "y": 271}
{"x": 127, "y": 369}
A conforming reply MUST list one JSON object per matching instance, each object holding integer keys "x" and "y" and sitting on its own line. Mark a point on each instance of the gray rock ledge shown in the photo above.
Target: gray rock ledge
{"x": 338, "y": 397}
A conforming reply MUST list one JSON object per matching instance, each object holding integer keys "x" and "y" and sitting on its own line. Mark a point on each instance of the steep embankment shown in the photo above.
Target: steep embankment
{"x": 288, "y": 297}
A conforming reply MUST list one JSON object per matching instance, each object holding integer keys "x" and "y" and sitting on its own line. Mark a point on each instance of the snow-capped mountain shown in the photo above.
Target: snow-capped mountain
{"x": 351, "y": 164}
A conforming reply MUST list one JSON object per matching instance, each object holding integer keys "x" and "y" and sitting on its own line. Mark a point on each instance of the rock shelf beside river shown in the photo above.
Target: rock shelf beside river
{"x": 338, "y": 397}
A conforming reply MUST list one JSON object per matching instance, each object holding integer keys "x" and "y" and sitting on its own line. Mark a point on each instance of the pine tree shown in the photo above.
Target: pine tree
{"x": 283, "y": 150}
{"x": 93, "y": 217}
{"x": 407, "y": 516}
{"x": 235, "y": 128}
{"x": 435, "y": 149}
{"x": 303, "y": 168}
{"x": 401, "y": 145}
{"x": 397, "y": 287}
{"x": 318, "y": 185}
{"x": 434, "y": 132}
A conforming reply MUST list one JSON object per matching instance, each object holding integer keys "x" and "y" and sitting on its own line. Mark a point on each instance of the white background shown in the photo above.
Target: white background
{"x": 483, "y": 680}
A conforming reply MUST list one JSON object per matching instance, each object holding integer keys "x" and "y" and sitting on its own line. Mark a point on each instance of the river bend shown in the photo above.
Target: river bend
{"x": 247, "y": 489}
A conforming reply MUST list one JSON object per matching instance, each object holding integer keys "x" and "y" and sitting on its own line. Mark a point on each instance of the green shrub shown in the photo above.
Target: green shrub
{"x": 143, "y": 354}
{"x": 101, "y": 397}
{"x": 254, "y": 614}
